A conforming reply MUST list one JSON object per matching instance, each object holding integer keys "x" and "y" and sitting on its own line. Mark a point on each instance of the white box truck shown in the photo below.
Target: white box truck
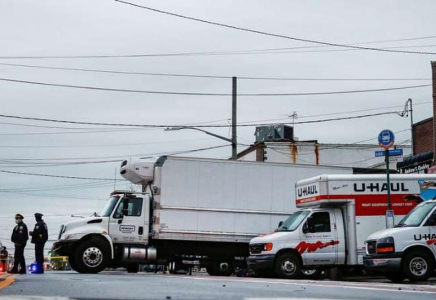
{"x": 407, "y": 251}
{"x": 203, "y": 210}
{"x": 338, "y": 213}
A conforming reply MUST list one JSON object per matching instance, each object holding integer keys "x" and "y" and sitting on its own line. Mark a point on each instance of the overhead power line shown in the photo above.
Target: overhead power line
{"x": 61, "y": 176}
{"x": 31, "y": 163}
{"x": 198, "y": 126}
{"x": 210, "y": 94}
{"x": 210, "y": 76}
{"x": 272, "y": 34}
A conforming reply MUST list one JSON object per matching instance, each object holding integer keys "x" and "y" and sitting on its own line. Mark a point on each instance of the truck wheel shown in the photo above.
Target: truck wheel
{"x": 288, "y": 266}
{"x": 224, "y": 268}
{"x": 395, "y": 277}
{"x": 132, "y": 268}
{"x": 91, "y": 256}
{"x": 418, "y": 266}
{"x": 312, "y": 273}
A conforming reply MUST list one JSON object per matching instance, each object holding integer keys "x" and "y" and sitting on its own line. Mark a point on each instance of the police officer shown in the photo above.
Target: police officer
{"x": 39, "y": 237}
{"x": 20, "y": 236}
{"x": 4, "y": 258}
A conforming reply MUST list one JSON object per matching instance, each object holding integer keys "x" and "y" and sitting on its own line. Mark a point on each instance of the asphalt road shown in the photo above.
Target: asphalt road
{"x": 120, "y": 285}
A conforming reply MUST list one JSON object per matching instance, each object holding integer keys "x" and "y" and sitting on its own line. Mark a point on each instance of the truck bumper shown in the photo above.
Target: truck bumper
{"x": 386, "y": 263}
{"x": 62, "y": 248}
{"x": 261, "y": 262}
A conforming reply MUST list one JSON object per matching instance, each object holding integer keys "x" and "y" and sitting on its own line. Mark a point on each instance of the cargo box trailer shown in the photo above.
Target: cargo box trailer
{"x": 204, "y": 210}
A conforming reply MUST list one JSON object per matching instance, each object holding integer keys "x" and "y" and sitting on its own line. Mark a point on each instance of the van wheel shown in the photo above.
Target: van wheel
{"x": 91, "y": 256}
{"x": 418, "y": 266}
{"x": 395, "y": 277}
{"x": 288, "y": 266}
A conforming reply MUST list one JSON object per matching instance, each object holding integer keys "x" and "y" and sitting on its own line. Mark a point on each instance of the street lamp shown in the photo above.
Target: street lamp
{"x": 209, "y": 133}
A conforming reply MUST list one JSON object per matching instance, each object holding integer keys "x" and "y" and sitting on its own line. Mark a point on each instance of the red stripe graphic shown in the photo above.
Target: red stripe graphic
{"x": 312, "y": 247}
{"x": 431, "y": 242}
{"x": 369, "y": 205}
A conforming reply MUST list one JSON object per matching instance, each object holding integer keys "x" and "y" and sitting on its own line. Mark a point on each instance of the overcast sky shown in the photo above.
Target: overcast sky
{"x": 79, "y": 27}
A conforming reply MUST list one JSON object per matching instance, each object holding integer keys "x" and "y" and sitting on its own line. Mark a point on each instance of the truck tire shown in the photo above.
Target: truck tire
{"x": 288, "y": 266}
{"x": 418, "y": 266}
{"x": 395, "y": 277}
{"x": 133, "y": 268}
{"x": 315, "y": 274}
{"x": 91, "y": 256}
{"x": 223, "y": 268}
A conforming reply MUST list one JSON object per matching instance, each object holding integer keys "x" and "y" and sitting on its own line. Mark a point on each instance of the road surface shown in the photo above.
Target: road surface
{"x": 120, "y": 285}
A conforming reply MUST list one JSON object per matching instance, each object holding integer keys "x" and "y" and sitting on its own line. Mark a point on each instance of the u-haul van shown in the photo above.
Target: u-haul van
{"x": 337, "y": 214}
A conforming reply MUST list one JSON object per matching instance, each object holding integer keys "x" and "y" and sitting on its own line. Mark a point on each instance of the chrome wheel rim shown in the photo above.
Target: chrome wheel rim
{"x": 92, "y": 257}
{"x": 288, "y": 267}
{"x": 418, "y": 266}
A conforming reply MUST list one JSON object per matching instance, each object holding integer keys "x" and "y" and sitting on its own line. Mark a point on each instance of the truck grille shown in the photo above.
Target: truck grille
{"x": 371, "y": 247}
{"x": 256, "y": 248}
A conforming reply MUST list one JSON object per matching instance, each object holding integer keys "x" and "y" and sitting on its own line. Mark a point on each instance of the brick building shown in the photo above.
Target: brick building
{"x": 424, "y": 141}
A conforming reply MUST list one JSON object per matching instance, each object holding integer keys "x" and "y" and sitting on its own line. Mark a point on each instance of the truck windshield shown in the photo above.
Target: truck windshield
{"x": 109, "y": 207}
{"x": 417, "y": 215}
{"x": 293, "y": 221}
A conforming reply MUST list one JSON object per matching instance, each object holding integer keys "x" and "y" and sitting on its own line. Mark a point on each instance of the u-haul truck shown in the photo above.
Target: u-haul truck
{"x": 337, "y": 214}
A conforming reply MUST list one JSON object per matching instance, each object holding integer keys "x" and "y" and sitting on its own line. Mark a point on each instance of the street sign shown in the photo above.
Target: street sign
{"x": 386, "y": 138}
{"x": 395, "y": 152}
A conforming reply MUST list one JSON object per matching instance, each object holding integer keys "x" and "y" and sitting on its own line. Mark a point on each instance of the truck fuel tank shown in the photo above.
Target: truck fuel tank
{"x": 131, "y": 253}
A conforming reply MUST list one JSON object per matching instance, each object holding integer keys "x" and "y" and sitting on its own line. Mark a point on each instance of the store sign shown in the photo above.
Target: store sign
{"x": 416, "y": 168}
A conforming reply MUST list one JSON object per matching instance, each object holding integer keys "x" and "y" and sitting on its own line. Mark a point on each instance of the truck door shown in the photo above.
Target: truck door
{"x": 319, "y": 245}
{"x": 129, "y": 221}
{"x": 431, "y": 225}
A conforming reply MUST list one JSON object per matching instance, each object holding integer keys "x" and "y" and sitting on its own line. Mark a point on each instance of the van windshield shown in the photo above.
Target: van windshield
{"x": 293, "y": 221}
{"x": 109, "y": 207}
{"x": 417, "y": 215}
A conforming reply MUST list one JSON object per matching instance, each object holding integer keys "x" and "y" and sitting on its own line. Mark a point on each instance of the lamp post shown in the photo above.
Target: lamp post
{"x": 207, "y": 132}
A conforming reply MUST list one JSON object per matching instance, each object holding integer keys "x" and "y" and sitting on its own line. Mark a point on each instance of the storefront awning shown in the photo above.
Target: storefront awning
{"x": 416, "y": 163}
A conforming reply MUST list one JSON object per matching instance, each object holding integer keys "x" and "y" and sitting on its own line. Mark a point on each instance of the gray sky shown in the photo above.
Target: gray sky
{"x": 79, "y": 27}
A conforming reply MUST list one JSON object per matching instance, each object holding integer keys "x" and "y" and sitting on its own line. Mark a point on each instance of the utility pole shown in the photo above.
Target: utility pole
{"x": 411, "y": 124}
{"x": 234, "y": 121}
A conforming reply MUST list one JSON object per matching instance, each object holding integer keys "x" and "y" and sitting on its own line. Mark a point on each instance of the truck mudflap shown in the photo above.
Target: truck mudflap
{"x": 386, "y": 263}
{"x": 261, "y": 262}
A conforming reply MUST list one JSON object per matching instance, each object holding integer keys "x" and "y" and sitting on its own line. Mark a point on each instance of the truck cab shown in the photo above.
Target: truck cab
{"x": 409, "y": 249}
{"x": 308, "y": 239}
{"x": 116, "y": 235}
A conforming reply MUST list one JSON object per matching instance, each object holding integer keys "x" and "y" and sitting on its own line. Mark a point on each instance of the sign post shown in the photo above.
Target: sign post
{"x": 386, "y": 139}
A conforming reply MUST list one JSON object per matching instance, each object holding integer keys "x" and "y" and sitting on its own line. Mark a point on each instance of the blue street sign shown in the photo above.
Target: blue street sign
{"x": 386, "y": 138}
{"x": 395, "y": 152}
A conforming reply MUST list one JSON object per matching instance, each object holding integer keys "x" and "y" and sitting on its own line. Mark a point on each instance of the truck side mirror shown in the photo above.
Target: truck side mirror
{"x": 280, "y": 224}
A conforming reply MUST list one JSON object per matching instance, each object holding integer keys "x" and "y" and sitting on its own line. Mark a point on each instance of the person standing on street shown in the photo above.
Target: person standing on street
{"x": 39, "y": 237}
{"x": 20, "y": 236}
{"x": 4, "y": 258}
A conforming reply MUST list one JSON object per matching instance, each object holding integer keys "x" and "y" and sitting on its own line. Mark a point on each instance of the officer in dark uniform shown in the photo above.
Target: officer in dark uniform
{"x": 39, "y": 237}
{"x": 19, "y": 237}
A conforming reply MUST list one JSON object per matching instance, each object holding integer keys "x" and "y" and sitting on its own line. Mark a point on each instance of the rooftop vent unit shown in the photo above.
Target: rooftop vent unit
{"x": 274, "y": 133}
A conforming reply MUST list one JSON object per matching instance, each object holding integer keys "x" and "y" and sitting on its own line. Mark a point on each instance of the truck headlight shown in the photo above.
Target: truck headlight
{"x": 386, "y": 245}
{"x": 268, "y": 247}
